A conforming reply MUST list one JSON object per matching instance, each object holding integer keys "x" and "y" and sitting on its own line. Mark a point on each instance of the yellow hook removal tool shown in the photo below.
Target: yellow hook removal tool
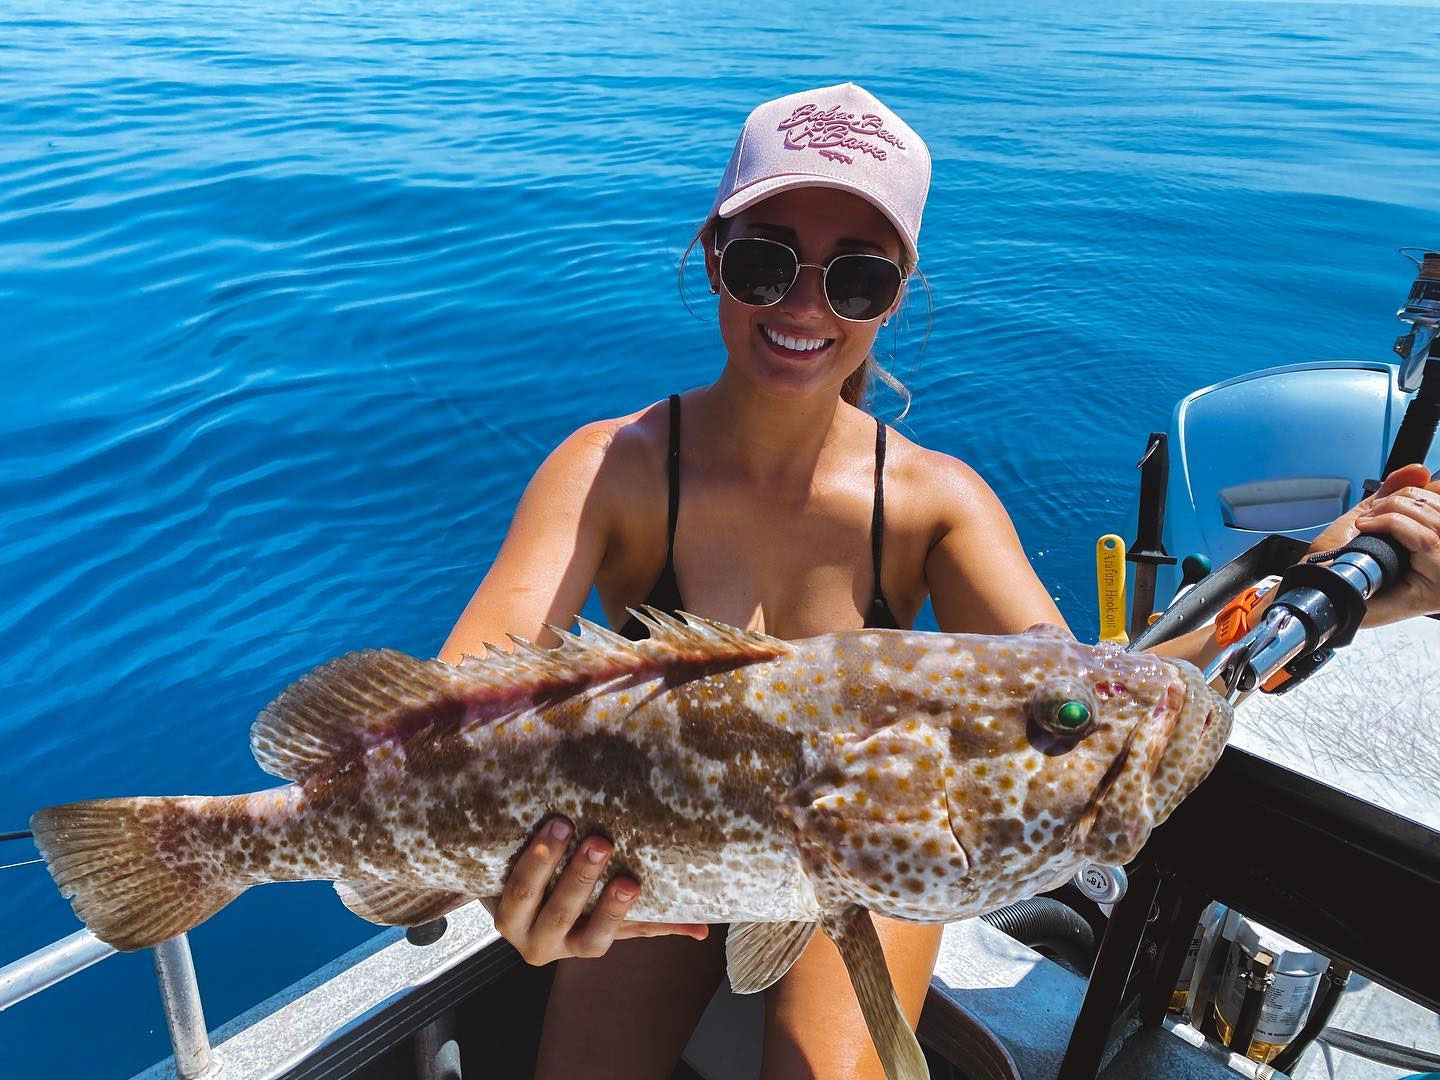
{"x": 1110, "y": 577}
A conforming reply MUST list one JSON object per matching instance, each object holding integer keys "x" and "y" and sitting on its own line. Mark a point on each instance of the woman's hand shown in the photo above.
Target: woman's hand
{"x": 555, "y": 926}
{"x": 1407, "y": 507}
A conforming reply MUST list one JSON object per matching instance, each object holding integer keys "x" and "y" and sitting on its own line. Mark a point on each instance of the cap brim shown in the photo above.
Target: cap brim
{"x": 763, "y": 189}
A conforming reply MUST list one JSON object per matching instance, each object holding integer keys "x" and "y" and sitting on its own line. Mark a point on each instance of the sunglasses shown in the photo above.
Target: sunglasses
{"x": 759, "y": 272}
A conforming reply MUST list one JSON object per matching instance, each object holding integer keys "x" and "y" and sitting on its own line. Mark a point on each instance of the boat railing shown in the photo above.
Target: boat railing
{"x": 394, "y": 985}
{"x": 174, "y": 971}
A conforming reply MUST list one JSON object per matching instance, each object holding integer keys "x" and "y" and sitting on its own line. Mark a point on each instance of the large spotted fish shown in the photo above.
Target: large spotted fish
{"x": 776, "y": 786}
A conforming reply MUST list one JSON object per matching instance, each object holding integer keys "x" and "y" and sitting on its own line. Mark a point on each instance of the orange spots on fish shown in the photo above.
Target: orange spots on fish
{"x": 931, "y": 847}
{"x": 861, "y": 798}
{"x": 819, "y": 677}
{"x": 872, "y": 774}
{"x": 811, "y": 710}
{"x": 981, "y": 770}
{"x": 624, "y": 699}
{"x": 907, "y": 666}
{"x": 1005, "y": 783}
{"x": 903, "y": 783}
{"x": 528, "y": 725}
{"x": 780, "y": 687}
{"x": 838, "y": 711}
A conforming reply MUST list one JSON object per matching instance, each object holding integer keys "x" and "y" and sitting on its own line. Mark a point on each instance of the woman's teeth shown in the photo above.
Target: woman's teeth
{"x": 795, "y": 344}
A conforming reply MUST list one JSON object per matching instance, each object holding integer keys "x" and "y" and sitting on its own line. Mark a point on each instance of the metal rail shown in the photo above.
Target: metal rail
{"x": 174, "y": 970}
{"x": 45, "y": 967}
{"x": 180, "y": 995}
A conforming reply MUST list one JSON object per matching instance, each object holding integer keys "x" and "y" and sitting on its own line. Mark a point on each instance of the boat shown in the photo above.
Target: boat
{"x": 1338, "y": 854}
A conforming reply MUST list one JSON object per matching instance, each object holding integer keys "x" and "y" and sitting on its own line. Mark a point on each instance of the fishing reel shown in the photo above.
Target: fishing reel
{"x": 1422, "y": 312}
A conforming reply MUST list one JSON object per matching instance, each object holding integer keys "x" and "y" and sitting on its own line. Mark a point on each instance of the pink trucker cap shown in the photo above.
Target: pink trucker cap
{"x": 836, "y": 137}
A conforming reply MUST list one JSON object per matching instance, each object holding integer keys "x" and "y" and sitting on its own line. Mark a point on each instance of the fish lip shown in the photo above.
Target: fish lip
{"x": 1174, "y": 702}
{"x": 1091, "y": 812}
{"x": 1177, "y": 692}
{"x": 959, "y": 842}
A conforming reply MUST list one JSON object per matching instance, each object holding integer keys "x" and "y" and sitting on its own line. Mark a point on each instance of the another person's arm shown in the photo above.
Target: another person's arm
{"x": 1407, "y": 507}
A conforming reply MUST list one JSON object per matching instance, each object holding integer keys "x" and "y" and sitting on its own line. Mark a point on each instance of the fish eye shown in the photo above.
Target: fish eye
{"x": 1067, "y": 710}
{"x": 1072, "y": 715}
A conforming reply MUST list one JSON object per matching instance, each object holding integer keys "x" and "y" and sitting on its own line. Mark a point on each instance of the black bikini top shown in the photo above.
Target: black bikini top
{"x": 664, "y": 595}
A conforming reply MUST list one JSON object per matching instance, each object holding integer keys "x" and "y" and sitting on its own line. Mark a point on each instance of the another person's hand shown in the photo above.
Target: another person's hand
{"x": 1407, "y": 507}
{"x": 555, "y": 926}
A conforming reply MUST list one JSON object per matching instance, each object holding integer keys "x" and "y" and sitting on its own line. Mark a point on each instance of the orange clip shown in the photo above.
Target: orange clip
{"x": 1235, "y": 621}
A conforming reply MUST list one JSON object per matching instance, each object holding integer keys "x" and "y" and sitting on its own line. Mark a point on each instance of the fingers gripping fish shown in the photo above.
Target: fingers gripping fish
{"x": 776, "y": 786}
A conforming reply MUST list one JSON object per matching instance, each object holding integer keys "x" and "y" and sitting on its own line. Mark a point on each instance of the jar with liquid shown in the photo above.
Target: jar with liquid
{"x": 1297, "y": 972}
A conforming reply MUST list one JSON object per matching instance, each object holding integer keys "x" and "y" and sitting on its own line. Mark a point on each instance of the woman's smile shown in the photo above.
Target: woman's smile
{"x": 793, "y": 343}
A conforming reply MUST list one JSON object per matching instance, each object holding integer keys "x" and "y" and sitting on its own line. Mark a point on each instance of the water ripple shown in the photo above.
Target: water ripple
{"x": 296, "y": 297}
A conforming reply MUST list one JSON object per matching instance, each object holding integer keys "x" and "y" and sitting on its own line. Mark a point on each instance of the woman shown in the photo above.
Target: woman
{"x": 770, "y": 500}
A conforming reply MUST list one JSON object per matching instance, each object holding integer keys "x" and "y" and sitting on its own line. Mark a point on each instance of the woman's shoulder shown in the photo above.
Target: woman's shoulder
{"x": 910, "y": 464}
{"x": 611, "y": 454}
{"x": 939, "y": 488}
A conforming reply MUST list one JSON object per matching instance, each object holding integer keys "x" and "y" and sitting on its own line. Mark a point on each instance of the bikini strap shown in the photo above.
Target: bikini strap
{"x": 877, "y": 517}
{"x": 672, "y": 467}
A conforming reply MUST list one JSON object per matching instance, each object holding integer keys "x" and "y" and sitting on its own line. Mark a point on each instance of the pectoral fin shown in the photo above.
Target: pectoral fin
{"x": 757, "y": 954}
{"x": 397, "y": 905}
{"x": 854, "y": 935}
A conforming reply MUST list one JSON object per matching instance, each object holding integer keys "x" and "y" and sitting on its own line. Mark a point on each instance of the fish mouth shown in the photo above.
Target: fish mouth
{"x": 1194, "y": 741}
{"x": 1128, "y": 825}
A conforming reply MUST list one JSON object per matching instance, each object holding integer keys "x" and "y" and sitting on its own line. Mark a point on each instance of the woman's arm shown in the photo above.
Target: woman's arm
{"x": 979, "y": 578}
{"x": 551, "y": 554}
{"x": 544, "y": 571}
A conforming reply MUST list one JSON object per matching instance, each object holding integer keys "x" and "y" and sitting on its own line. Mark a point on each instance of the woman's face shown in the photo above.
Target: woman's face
{"x": 819, "y": 223}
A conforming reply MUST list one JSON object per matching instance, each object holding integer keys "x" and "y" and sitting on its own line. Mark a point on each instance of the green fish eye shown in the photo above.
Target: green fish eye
{"x": 1072, "y": 716}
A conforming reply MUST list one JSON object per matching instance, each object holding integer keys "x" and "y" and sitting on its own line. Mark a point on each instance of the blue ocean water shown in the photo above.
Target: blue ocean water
{"x": 294, "y": 297}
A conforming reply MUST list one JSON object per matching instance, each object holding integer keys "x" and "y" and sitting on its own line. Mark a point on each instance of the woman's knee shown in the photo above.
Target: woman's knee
{"x": 630, "y": 1012}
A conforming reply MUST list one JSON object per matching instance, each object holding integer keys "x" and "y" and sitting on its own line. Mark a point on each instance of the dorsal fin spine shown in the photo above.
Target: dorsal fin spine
{"x": 361, "y": 699}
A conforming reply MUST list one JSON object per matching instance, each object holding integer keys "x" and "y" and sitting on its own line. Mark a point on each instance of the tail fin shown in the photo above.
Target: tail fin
{"x": 123, "y": 875}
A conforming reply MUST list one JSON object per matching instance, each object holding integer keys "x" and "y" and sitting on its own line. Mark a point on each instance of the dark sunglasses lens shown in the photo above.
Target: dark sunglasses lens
{"x": 861, "y": 287}
{"x": 757, "y": 272}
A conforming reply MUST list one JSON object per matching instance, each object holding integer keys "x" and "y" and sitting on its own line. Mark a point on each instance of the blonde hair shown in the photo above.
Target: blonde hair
{"x": 855, "y": 390}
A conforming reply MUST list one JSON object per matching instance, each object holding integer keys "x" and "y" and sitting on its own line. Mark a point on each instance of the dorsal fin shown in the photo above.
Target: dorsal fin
{"x": 363, "y": 698}
{"x": 342, "y": 707}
